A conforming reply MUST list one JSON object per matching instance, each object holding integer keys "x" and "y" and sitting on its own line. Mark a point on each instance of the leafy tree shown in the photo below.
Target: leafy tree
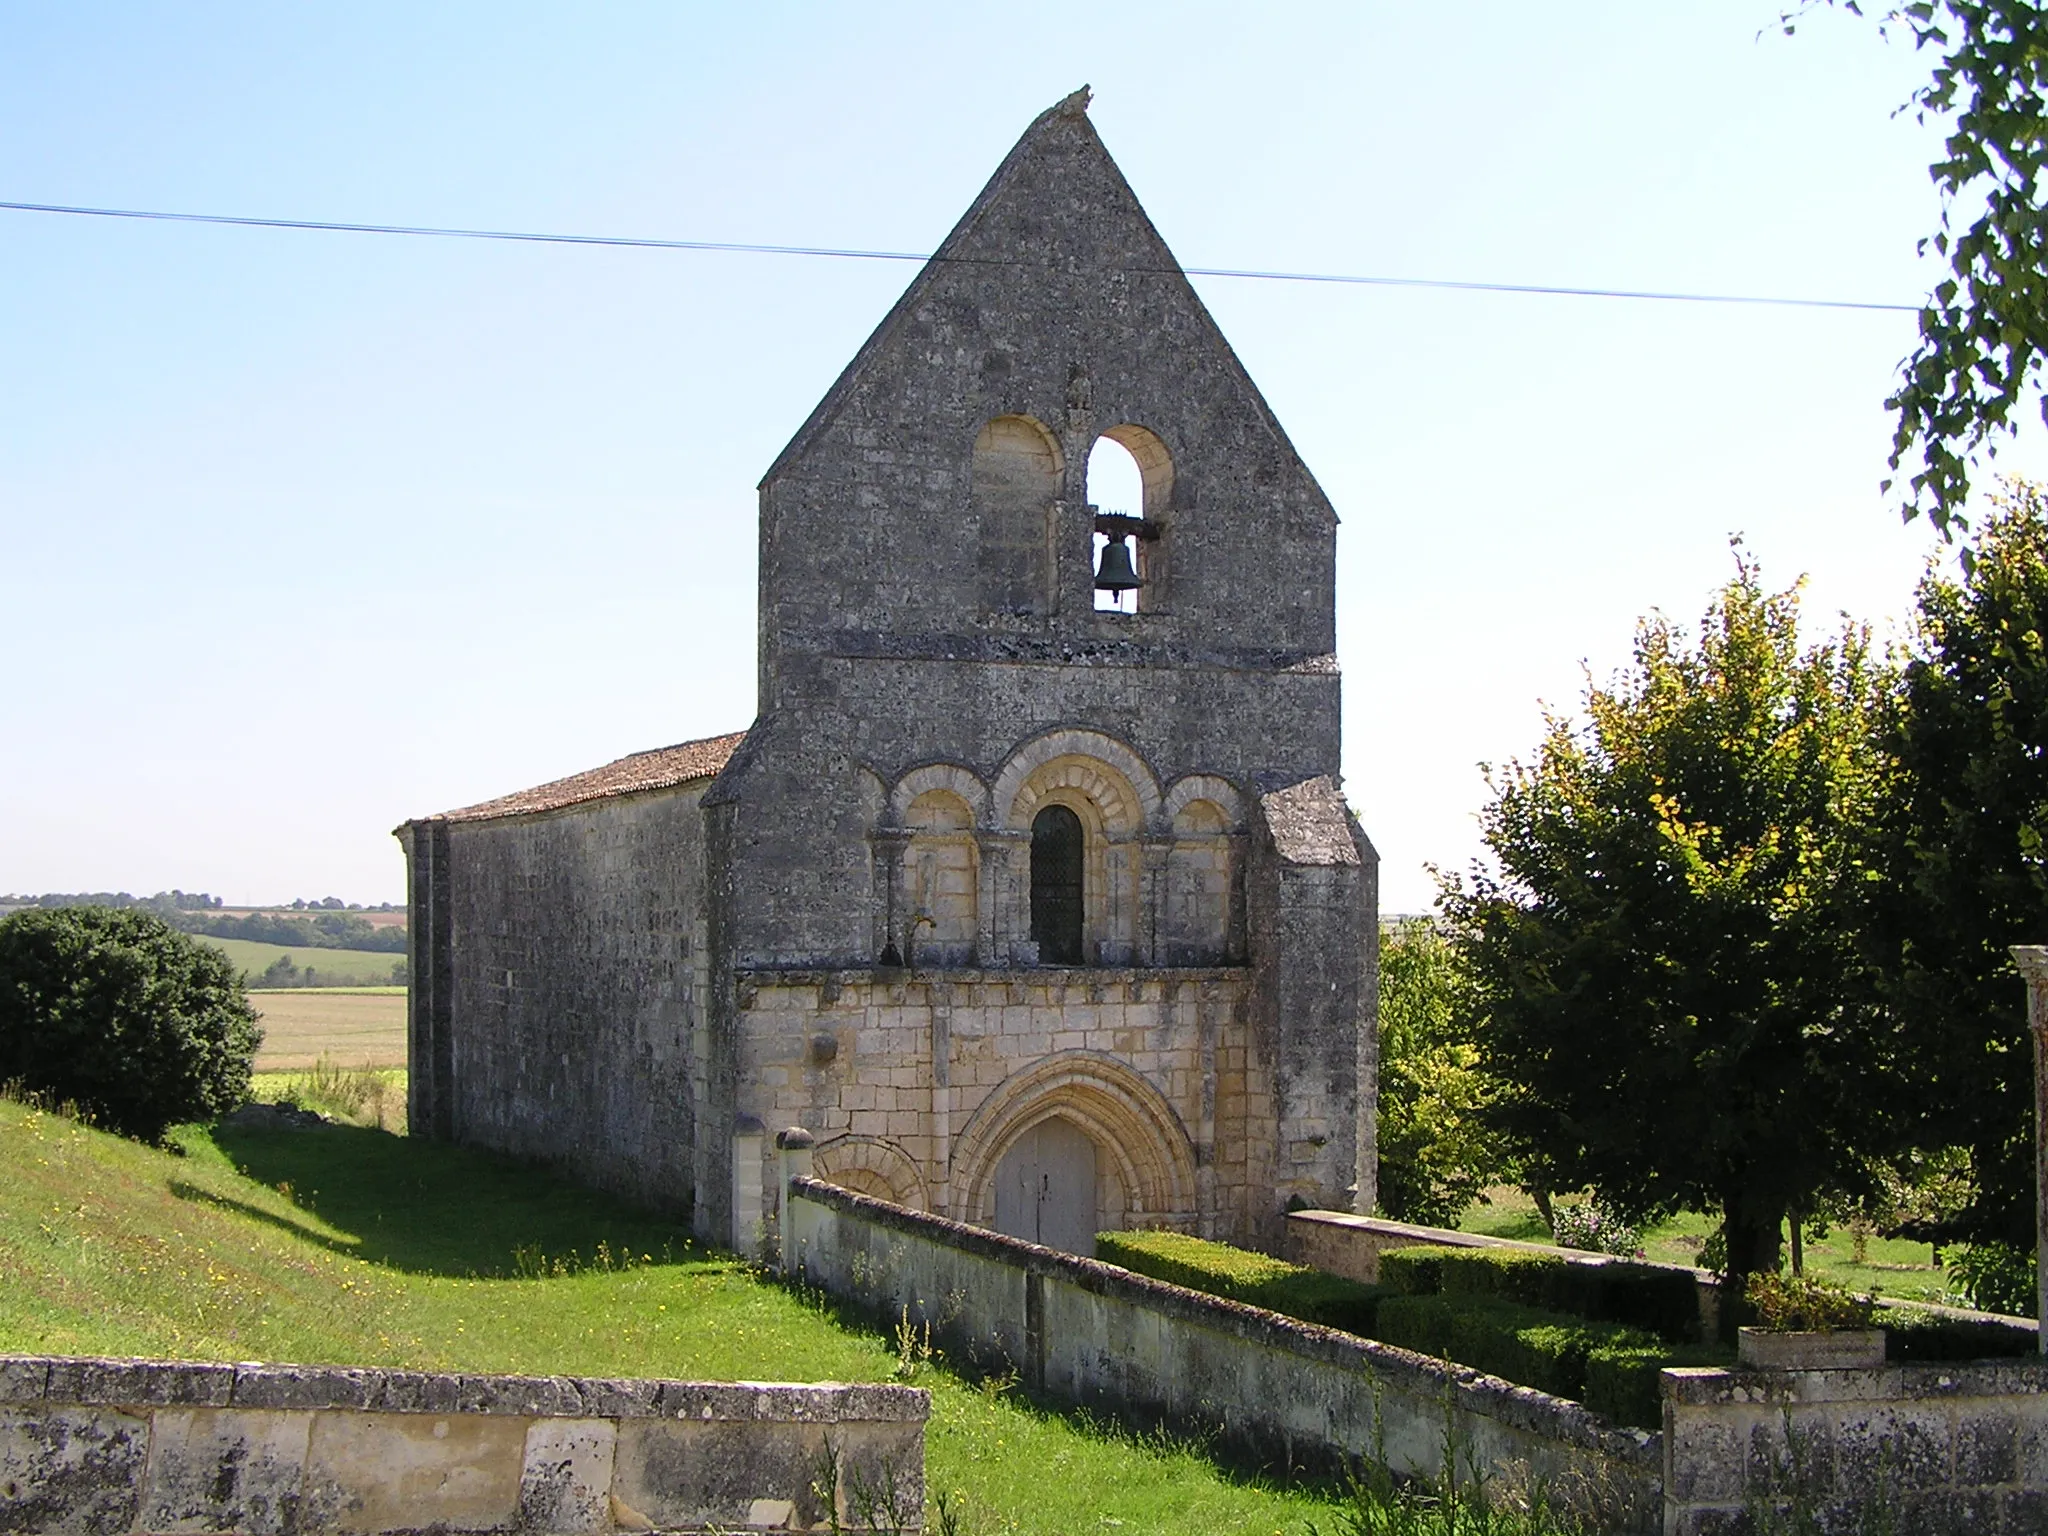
{"x": 1964, "y": 843}
{"x": 1984, "y": 330}
{"x": 1665, "y": 953}
{"x": 117, "y": 1011}
{"x": 1437, "y": 1152}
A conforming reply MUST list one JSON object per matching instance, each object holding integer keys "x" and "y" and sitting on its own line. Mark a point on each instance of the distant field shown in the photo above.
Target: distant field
{"x": 351, "y": 1029}
{"x": 342, "y": 967}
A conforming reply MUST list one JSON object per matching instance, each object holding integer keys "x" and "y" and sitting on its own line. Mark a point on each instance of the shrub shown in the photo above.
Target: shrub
{"x": 1911, "y": 1335}
{"x": 1611, "y": 1369}
{"x": 119, "y": 1013}
{"x": 1256, "y": 1279}
{"x": 1591, "y": 1227}
{"x": 1997, "y": 1277}
{"x": 1660, "y": 1299}
{"x": 1805, "y": 1303}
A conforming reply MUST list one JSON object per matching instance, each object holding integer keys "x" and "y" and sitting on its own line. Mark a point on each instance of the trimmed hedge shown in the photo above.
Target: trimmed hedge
{"x": 1662, "y": 1301}
{"x": 1609, "y": 1367}
{"x": 1257, "y": 1279}
{"x": 1931, "y": 1336}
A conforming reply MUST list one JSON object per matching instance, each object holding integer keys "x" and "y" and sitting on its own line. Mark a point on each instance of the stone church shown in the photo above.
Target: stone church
{"x": 1030, "y": 891}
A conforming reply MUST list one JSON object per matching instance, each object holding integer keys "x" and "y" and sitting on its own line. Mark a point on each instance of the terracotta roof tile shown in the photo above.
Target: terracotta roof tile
{"x": 662, "y": 768}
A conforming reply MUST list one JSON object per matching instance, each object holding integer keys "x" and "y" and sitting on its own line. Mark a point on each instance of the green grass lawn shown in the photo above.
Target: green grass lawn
{"x": 1889, "y": 1267}
{"x": 345, "y": 967}
{"x": 351, "y": 1246}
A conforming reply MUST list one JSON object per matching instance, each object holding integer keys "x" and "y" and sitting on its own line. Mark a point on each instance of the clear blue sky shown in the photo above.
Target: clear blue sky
{"x": 302, "y": 534}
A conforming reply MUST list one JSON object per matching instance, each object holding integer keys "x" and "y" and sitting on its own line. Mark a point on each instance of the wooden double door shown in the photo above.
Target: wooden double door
{"x": 1045, "y": 1188}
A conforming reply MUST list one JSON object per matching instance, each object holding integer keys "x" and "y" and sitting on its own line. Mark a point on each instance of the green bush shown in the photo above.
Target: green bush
{"x": 1802, "y": 1303}
{"x": 1257, "y": 1279}
{"x": 118, "y": 1013}
{"x": 1663, "y": 1301}
{"x": 1610, "y": 1368}
{"x": 1930, "y": 1336}
{"x": 1997, "y": 1277}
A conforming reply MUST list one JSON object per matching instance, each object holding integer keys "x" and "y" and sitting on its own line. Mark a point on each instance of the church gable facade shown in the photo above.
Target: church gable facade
{"x": 1030, "y": 891}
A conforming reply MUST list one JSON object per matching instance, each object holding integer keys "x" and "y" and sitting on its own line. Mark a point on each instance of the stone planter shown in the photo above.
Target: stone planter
{"x": 1833, "y": 1349}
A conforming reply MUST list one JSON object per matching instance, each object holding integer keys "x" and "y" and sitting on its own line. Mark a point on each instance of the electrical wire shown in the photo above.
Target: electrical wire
{"x": 847, "y": 254}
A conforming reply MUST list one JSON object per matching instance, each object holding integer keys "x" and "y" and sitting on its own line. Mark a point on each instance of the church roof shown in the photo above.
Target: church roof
{"x": 661, "y": 768}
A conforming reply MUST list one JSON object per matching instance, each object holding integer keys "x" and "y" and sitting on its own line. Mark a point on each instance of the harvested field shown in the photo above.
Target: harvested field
{"x": 351, "y": 1029}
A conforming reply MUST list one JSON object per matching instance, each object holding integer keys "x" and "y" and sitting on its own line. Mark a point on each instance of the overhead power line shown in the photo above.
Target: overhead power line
{"x": 747, "y": 248}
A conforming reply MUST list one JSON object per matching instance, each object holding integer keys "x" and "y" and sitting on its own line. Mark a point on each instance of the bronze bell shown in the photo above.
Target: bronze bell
{"x": 1116, "y": 573}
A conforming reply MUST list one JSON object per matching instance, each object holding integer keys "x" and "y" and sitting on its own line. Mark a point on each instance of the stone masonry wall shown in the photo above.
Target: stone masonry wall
{"x": 914, "y": 1084}
{"x": 1290, "y": 1393}
{"x": 1934, "y": 1450}
{"x": 577, "y": 952}
{"x": 127, "y": 1447}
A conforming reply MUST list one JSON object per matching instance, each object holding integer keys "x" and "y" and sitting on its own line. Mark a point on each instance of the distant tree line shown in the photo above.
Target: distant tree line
{"x": 329, "y": 924}
{"x": 287, "y": 972}
{"x": 162, "y": 903}
{"x": 324, "y": 930}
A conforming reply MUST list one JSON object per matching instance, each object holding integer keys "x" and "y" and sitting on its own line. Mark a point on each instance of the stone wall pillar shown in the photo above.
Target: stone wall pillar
{"x": 795, "y": 1159}
{"x": 748, "y": 1225}
{"x": 2033, "y": 964}
{"x": 430, "y": 1005}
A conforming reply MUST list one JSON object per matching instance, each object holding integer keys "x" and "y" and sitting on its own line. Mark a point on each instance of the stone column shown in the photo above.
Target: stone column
{"x": 1153, "y": 919}
{"x": 795, "y": 1149}
{"x": 2033, "y": 963}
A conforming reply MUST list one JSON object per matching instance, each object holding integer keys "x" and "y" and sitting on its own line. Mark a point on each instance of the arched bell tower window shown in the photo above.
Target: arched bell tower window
{"x": 1115, "y": 490}
{"x": 1057, "y": 848}
{"x": 1130, "y": 482}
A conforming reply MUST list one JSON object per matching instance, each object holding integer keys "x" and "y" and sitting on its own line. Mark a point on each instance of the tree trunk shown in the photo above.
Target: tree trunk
{"x": 1542, "y": 1198}
{"x": 1754, "y": 1240}
{"x": 1794, "y": 1220}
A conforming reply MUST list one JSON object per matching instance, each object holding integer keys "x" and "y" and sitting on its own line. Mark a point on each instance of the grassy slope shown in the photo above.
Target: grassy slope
{"x": 352, "y": 967}
{"x": 352, "y": 1246}
{"x": 1891, "y": 1267}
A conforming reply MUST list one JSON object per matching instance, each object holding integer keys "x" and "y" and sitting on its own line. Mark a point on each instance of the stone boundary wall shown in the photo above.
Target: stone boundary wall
{"x": 1288, "y": 1392}
{"x": 1925, "y": 1449}
{"x": 124, "y": 1447}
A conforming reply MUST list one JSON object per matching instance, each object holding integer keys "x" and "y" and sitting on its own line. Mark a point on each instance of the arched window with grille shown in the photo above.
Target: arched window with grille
{"x": 1057, "y": 850}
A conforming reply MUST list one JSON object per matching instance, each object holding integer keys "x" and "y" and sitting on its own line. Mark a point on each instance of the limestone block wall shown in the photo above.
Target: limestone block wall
{"x": 1312, "y": 898}
{"x": 115, "y": 1447}
{"x": 1927, "y": 1449}
{"x": 576, "y": 961}
{"x": 915, "y": 1085}
{"x": 1287, "y": 1392}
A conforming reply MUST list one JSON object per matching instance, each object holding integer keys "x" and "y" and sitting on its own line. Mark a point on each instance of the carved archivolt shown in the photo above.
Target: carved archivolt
{"x": 961, "y": 782}
{"x": 1134, "y": 1129}
{"x": 1083, "y": 763}
{"x": 868, "y": 1165}
{"x": 1194, "y": 787}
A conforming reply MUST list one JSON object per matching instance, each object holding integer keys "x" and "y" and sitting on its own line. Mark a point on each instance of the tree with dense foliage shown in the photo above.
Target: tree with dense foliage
{"x": 1965, "y": 850}
{"x": 1984, "y": 331}
{"x": 1665, "y": 951}
{"x": 116, "y": 1011}
{"x": 1437, "y": 1151}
